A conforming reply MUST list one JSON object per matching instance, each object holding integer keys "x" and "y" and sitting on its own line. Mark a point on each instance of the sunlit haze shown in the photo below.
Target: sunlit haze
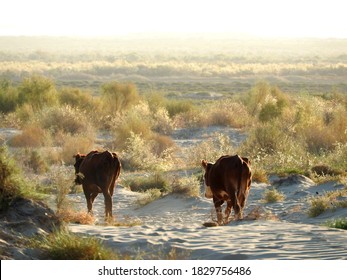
{"x": 288, "y": 18}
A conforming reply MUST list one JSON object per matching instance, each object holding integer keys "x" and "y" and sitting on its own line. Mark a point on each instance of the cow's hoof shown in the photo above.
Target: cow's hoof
{"x": 210, "y": 224}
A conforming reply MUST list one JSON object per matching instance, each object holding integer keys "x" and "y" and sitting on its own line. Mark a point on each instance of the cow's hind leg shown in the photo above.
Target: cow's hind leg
{"x": 88, "y": 194}
{"x": 108, "y": 205}
{"x": 228, "y": 211}
{"x": 236, "y": 205}
{"x": 242, "y": 200}
{"x": 218, "y": 207}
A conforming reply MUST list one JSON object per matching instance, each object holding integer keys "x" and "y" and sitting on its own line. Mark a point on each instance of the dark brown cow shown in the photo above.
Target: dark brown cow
{"x": 228, "y": 179}
{"x": 97, "y": 172}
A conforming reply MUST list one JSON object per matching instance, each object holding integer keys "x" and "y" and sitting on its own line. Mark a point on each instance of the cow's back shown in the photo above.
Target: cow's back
{"x": 97, "y": 165}
{"x": 226, "y": 170}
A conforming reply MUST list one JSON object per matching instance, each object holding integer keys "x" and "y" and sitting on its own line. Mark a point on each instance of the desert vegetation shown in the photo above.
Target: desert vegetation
{"x": 144, "y": 104}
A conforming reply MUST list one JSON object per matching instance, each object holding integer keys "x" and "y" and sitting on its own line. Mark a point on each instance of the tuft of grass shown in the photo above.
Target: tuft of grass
{"x": 148, "y": 196}
{"x": 259, "y": 175}
{"x": 127, "y": 222}
{"x": 337, "y": 223}
{"x": 273, "y": 195}
{"x": 318, "y": 205}
{"x": 63, "y": 245}
{"x": 142, "y": 184}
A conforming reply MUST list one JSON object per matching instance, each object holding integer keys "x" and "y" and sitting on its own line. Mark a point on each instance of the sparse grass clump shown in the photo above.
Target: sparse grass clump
{"x": 273, "y": 195}
{"x": 318, "y": 205}
{"x": 142, "y": 184}
{"x": 337, "y": 223}
{"x": 63, "y": 245}
{"x": 148, "y": 196}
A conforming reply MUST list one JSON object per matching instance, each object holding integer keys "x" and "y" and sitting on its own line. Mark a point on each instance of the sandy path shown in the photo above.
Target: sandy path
{"x": 176, "y": 222}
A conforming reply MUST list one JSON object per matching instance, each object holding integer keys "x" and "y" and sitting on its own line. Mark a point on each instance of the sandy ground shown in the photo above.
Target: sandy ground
{"x": 174, "y": 224}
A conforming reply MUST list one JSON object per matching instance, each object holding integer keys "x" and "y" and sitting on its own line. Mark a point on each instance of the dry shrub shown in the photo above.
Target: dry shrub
{"x": 161, "y": 143}
{"x": 319, "y": 139}
{"x": 318, "y": 205}
{"x": 32, "y": 136}
{"x": 76, "y": 98}
{"x": 259, "y": 175}
{"x": 136, "y": 121}
{"x": 117, "y": 97}
{"x": 144, "y": 183}
{"x": 148, "y": 196}
{"x": 78, "y": 217}
{"x": 188, "y": 186}
{"x": 37, "y": 162}
{"x": 161, "y": 121}
{"x": 176, "y": 107}
{"x": 75, "y": 144}
{"x": 224, "y": 112}
{"x": 210, "y": 150}
{"x": 273, "y": 195}
{"x": 139, "y": 154}
{"x": 65, "y": 119}
{"x": 258, "y": 213}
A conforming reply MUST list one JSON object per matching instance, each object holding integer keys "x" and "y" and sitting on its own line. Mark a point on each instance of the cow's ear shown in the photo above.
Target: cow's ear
{"x": 76, "y": 156}
{"x": 204, "y": 164}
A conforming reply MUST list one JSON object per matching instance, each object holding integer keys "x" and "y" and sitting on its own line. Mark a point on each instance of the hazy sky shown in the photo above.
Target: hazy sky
{"x": 289, "y": 18}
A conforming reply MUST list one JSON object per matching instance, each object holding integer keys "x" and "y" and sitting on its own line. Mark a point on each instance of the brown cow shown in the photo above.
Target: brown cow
{"x": 228, "y": 179}
{"x": 97, "y": 172}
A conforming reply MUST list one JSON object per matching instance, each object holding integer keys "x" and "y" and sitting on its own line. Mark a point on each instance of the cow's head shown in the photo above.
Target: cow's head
{"x": 207, "y": 167}
{"x": 79, "y": 158}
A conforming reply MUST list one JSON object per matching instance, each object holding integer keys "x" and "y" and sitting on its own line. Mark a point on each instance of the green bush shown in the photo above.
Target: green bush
{"x": 118, "y": 97}
{"x": 76, "y": 98}
{"x": 37, "y": 91}
{"x": 8, "y": 96}
{"x": 12, "y": 184}
{"x": 337, "y": 223}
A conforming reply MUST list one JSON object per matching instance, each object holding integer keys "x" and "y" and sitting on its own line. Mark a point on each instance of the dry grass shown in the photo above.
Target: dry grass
{"x": 318, "y": 205}
{"x": 77, "y": 217}
{"x": 273, "y": 195}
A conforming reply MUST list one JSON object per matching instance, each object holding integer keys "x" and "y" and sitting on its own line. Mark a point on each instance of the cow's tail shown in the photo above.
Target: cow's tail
{"x": 116, "y": 164}
{"x": 239, "y": 187}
